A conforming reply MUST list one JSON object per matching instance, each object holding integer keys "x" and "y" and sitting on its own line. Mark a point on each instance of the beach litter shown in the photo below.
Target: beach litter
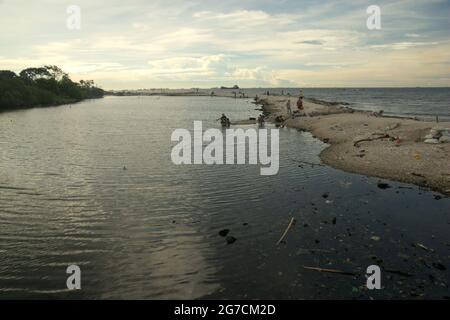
{"x": 347, "y": 273}
{"x": 438, "y": 135}
{"x": 383, "y": 185}
{"x": 419, "y": 245}
{"x": 230, "y": 239}
{"x": 224, "y": 232}
{"x": 291, "y": 223}
{"x": 374, "y": 136}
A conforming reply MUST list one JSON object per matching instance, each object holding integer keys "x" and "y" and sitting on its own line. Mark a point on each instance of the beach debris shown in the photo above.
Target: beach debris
{"x": 392, "y": 126}
{"x": 417, "y": 175}
{"x": 375, "y": 238}
{"x": 420, "y": 245}
{"x": 124, "y": 168}
{"x": 374, "y": 136}
{"x": 432, "y": 141}
{"x": 312, "y": 164}
{"x": 383, "y": 185}
{"x": 291, "y": 223}
{"x": 348, "y": 273}
{"x": 438, "y": 135}
{"x": 313, "y": 251}
{"x": 230, "y": 239}
{"x": 399, "y": 272}
{"x": 377, "y": 113}
{"x": 224, "y": 232}
{"x": 439, "y": 266}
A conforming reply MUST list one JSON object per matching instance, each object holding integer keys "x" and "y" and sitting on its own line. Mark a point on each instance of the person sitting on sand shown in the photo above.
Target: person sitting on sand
{"x": 224, "y": 120}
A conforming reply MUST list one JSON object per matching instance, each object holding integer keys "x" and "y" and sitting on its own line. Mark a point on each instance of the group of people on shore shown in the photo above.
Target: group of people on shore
{"x": 299, "y": 106}
{"x": 225, "y": 121}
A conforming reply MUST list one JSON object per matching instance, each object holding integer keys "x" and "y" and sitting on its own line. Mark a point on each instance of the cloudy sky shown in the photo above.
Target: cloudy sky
{"x": 184, "y": 43}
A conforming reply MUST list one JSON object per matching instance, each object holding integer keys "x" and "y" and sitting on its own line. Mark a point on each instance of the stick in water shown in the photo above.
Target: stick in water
{"x": 287, "y": 230}
{"x": 331, "y": 271}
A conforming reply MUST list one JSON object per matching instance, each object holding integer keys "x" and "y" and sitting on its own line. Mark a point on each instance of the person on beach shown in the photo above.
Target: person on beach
{"x": 288, "y": 107}
{"x": 224, "y": 121}
{"x": 300, "y": 103}
{"x": 261, "y": 120}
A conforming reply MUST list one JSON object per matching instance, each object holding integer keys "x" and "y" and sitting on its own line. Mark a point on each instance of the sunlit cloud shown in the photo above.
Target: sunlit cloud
{"x": 142, "y": 44}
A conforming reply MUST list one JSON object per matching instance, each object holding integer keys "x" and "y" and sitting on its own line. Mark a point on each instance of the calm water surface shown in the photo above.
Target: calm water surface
{"x": 151, "y": 230}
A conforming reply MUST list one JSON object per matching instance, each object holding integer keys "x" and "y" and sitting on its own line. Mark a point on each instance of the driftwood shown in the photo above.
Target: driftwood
{"x": 291, "y": 223}
{"x": 312, "y": 164}
{"x": 381, "y": 136}
{"x": 399, "y": 272}
{"x": 347, "y": 273}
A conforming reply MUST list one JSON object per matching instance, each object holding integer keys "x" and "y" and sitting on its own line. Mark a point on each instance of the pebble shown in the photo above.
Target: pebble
{"x": 224, "y": 232}
{"x": 230, "y": 239}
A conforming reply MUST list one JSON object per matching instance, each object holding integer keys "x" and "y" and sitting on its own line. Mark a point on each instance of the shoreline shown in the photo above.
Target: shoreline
{"x": 407, "y": 160}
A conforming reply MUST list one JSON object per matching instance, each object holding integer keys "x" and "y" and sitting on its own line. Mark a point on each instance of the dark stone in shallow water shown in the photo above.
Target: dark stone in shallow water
{"x": 230, "y": 239}
{"x": 439, "y": 266}
{"x": 382, "y": 185}
{"x": 437, "y": 197}
{"x": 325, "y": 195}
{"x": 224, "y": 232}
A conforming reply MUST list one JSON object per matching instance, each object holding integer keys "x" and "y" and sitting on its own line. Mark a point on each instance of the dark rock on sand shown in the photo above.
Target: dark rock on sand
{"x": 383, "y": 185}
{"x": 230, "y": 239}
{"x": 439, "y": 266}
{"x": 224, "y": 232}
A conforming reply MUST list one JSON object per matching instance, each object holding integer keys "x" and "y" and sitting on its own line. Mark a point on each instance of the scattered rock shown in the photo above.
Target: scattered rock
{"x": 333, "y": 221}
{"x": 437, "y": 197}
{"x": 325, "y": 195}
{"x": 431, "y": 141}
{"x": 224, "y": 232}
{"x": 439, "y": 266}
{"x": 383, "y": 185}
{"x": 230, "y": 239}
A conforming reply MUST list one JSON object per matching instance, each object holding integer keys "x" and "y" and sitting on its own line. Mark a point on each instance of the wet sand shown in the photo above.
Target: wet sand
{"x": 408, "y": 159}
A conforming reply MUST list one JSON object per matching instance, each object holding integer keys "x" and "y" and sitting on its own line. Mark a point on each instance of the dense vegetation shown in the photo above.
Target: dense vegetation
{"x": 44, "y": 86}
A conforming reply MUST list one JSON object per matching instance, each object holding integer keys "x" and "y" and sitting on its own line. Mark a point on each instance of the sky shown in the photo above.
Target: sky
{"x": 137, "y": 44}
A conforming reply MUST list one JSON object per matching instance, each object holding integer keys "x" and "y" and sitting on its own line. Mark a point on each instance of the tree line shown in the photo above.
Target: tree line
{"x": 43, "y": 86}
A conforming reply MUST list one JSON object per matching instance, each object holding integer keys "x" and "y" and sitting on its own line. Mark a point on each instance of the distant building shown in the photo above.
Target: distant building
{"x": 230, "y": 88}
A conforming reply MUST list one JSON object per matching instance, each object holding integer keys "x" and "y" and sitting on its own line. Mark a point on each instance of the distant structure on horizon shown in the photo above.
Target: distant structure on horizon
{"x": 233, "y": 87}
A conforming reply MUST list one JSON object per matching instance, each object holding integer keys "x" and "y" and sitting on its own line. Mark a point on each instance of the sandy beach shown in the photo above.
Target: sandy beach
{"x": 403, "y": 156}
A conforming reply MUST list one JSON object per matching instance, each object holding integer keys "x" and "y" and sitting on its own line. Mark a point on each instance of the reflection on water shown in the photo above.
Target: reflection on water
{"x": 93, "y": 185}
